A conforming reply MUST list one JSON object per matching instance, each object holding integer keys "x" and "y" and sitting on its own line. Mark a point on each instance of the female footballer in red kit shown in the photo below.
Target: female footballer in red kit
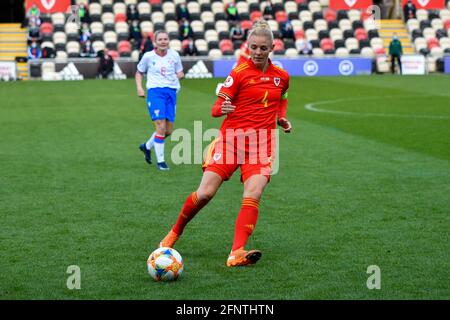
{"x": 254, "y": 99}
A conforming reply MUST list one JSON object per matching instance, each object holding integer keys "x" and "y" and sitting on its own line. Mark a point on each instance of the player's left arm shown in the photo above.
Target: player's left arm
{"x": 179, "y": 68}
{"x": 282, "y": 111}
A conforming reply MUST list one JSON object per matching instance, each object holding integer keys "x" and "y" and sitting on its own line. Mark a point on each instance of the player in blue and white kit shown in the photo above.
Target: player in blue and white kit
{"x": 163, "y": 69}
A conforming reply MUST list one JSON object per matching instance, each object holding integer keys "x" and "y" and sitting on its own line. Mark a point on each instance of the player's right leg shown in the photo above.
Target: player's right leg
{"x": 209, "y": 185}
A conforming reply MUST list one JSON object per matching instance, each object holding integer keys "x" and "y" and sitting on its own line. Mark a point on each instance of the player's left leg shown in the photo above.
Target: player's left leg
{"x": 246, "y": 221}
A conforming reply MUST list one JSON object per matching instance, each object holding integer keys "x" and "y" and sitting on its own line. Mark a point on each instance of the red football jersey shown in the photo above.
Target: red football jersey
{"x": 256, "y": 95}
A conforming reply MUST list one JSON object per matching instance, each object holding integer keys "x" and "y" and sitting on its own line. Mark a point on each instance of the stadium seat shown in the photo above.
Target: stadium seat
{"x": 342, "y": 52}
{"x": 311, "y": 34}
{"x": 255, "y": 15}
{"x": 432, "y": 43}
{"x": 351, "y": 43}
{"x": 202, "y": 47}
{"x": 314, "y": 6}
{"x": 226, "y": 47}
{"x": 61, "y": 55}
{"x": 421, "y": 15}
{"x": 317, "y": 53}
{"x": 336, "y": 34}
{"x": 98, "y": 46}
{"x": 119, "y": 8}
{"x": 175, "y": 44}
{"x": 305, "y": 16}
{"x": 120, "y": 17}
{"x": 429, "y": 33}
{"x": 95, "y": 12}
{"x": 281, "y": 16}
{"x": 291, "y": 53}
{"x": 376, "y": 43}
{"x": 124, "y": 48}
{"x": 437, "y": 52}
{"x": 146, "y": 27}
{"x": 327, "y": 44}
{"x": 110, "y": 39}
{"x": 122, "y": 30}
{"x": 73, "y": 49}
{"x": 215, "y": 54}
{"x": 60, "y": 39}
{"x": 299, "y": 34}
{"x": 354, "y": 15}
{"x": 444, "y": 43}
{"x": 46, "y": 28}
{"x": 278, "y": 47}
{"x": 447, "y": 25}
{"x": 330, "y": 15}
{"x": 367, "y": 52}
{"x": 360, "y": 34}
{"x": 320, "y": 25}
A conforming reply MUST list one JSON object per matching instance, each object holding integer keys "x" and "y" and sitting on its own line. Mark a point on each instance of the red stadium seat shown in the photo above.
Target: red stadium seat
{"x": 120, "y": 17}
{"x": 380, "y": 51}
{"x": 114, "y": 54}
{"x": 124, "y": 46}
{"x": 365, "y": 15}
{"x": 432, "y": 43}
{"x": 299, "y": 34}
{"x": 246, "y": 24}
{"x": 330, "y": 15}
{"x": 327, "y": 44}
{"x": 447, "y": 24}
{"x": 281, "y": 16}
{"x": 278, "y": 45}
{"x": 360, "y": 34}
{"x": 46, "y": 28}
{"x": 226, "y": 46}
{"x": 154, "y": 1}
{"x": 301, "y": 1}
{"x": 255, "y": 15}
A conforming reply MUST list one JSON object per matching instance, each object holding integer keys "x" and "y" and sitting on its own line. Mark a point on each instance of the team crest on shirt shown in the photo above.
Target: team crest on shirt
{"x": 228, "y": 82}
{"x": 217, "y": 156}
{"x": 276, "y": 81}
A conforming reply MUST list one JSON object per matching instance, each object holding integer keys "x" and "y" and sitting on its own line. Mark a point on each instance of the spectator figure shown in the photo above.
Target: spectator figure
{"x": 287, "y": 30}
{"x": 85, "y": 34}
{"x": 48, "y": 52}
{"x": 33, "y": 29}
{"x": 395, "y": 51}
{"x": 409, "y": 11}
{"x": 303, "y": 46}
{"x": 87, "y": 50}
{"x": 135, "y": 34}
{"x": 132, "y": 13}
{"x": 232, "y": 13}
{"x": 146, "y": 46}
{"x": 268, "y": 13}
{"x": 34, "y": 12}
{"x": 237, "y": 33}
{"x": 106, "y": 64}
{"x": 34, "y": 52}
{"x": 182, "y": 12}
{"x": 83, "y": 13}
{"x": 189, "y": 48}
{"x": 185, "y": 30}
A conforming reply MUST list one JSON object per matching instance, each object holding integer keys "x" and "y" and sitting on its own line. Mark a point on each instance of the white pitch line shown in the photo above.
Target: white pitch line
{"x": 311, "y": 107}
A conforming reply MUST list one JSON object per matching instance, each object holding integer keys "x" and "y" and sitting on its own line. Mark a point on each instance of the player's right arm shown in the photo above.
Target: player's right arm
{"x": 226, "y": 93}
{"x": 141, "y": 70}
{"x": 140, "y": 90}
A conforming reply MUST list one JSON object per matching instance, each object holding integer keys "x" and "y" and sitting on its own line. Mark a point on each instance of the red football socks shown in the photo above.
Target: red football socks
{"x": 245, "y": 222}
{"x": 190, "y": 208}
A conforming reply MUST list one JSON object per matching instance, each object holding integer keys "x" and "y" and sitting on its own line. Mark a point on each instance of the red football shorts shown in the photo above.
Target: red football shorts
{"x": 224, "y": 158}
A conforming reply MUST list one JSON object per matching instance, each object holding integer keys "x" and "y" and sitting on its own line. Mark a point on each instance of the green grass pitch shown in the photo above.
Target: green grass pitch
{"x": 364, "y": 180}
